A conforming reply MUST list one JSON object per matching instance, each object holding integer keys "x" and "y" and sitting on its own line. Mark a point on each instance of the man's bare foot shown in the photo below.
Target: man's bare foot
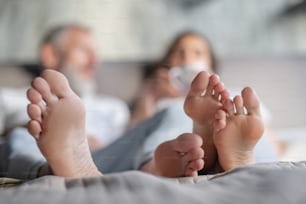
{"x": 57, "y": 121}
{"x": 237, "y": 129}
{"x": 182, "y": 156}
{"x": 201, "y": 105}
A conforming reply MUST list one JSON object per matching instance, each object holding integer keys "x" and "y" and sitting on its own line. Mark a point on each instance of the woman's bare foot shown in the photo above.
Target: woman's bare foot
{"x": 57, "y": 121}
{"x": 201, "y": 105}
{"x": 182, "y": 156}
{"x": 237, "y": 129}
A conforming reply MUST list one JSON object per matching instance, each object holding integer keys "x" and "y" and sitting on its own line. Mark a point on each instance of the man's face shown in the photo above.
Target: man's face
{"x": 78, "y": 54}
{"x": 191, "y": 50}
{"x": 75, "y": 56}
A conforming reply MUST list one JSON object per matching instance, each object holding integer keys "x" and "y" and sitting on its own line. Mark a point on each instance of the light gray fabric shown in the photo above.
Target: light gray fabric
{"x": 24, "y": 159}
{"x": 269, "y": 183}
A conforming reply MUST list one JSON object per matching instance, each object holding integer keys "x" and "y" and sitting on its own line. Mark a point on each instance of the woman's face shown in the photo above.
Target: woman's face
{"x": 189, "y": 51}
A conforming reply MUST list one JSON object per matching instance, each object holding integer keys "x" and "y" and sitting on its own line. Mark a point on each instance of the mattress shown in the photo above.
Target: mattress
{"x": 281, "y": 182}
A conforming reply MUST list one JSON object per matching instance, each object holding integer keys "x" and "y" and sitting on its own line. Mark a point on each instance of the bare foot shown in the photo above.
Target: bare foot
{"x": 238, "y": 129}
{"x": 201, "y": 105}
{"x": 58, "y": 124}
{"x": 182, "y": 156}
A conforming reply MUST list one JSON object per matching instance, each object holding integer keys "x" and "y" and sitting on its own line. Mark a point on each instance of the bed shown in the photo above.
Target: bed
{"x": 282, "y": 182}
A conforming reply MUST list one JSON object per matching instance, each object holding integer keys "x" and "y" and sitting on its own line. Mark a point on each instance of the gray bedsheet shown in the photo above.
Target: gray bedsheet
{"x": 283, "y": 182}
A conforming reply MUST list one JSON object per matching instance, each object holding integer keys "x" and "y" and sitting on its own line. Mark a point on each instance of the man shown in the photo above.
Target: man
{"x": 69, "y": 49}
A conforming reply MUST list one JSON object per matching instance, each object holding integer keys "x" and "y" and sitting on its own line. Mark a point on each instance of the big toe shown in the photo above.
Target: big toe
{"x": 194, "y": 160}
{"x": 197, "y": 89}
{"x": 41, "y": 89}
{"x": 251, "y": 101}
{"x": 58, "y": 83}
{"x": 199, "y": 84}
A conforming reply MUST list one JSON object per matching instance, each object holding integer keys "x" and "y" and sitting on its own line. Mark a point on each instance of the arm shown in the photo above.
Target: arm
{"x": 154, "y": 89}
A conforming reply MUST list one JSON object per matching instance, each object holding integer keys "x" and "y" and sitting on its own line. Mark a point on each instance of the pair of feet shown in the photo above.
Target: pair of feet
{"x": 224, "y": 135}
{"x": 57, "y": 121}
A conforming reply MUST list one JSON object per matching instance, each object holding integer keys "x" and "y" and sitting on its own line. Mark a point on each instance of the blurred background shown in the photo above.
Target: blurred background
{"x": 257, "y": 43}
{"x": 140, "y": 29}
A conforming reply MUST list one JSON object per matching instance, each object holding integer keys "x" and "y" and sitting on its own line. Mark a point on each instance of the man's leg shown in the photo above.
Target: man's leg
{"x": 24, "y": 158}
{"x": 123, "y": 154}
{"x": 136, "y": 147}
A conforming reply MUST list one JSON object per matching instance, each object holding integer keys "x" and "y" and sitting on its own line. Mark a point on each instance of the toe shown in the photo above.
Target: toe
{"x": 220, "y": 115}
{"x": 34, "y": 112}
{"x": 220, "y": 121}
{"x": 238, "y": 105}
{"x": 228, "y": 106}
{"x": 225, "y": 94}
{"x": 42, "y": 87}
{"x": 217, "y": 90}
{"x": 34, "y": 96}
{"x": 34, "y": 128}
{"x": 199, "y": 84}
{"x": 213, "y": 81}
{"x": 251, "y": 101}
{"x": 185, "y": 142}
{"x": 193, "y": 167}
{"x": 194, "y": 154}
{"x": 58, "y": 83}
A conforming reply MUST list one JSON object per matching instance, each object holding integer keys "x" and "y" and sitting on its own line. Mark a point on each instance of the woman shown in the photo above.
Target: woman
{"x": 166, "y": 83}
{"x": 163, "y": 82}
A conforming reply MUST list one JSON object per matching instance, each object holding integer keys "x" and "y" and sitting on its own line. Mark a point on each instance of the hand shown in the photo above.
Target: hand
{"x": 162, "y": 86}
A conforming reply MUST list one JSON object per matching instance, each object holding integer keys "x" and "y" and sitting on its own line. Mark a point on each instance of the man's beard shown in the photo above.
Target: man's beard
{"x": 78, "y": 83}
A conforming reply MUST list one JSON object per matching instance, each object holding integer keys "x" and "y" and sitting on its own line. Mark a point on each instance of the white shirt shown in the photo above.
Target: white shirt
{"x": 106, "y": 117}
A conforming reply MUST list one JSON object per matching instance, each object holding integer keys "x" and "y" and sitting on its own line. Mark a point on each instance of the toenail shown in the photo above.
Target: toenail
{"x": 203, "y": 93}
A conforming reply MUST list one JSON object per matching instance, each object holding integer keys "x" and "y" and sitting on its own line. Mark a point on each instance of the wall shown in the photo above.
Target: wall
{"x": 140, "y": 29}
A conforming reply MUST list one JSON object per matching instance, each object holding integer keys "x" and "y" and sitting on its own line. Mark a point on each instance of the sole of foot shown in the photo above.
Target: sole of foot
{"x": 201, "y": 105}
{"x": 57, "y": 122}
{"x": 238, "y": 127}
